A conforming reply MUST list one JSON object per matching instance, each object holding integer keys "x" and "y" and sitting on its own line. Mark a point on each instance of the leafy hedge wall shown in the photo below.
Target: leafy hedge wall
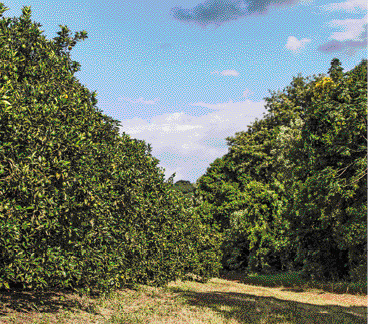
{"x": 80, "y": 204}
{"x": 291, "y": 193}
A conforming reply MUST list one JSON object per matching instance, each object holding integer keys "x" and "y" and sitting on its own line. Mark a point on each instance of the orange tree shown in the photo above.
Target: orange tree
{"x": 238, "y": 191}
{"x": 291, "y": 192}
{"x": 81, "y": 204}
{"x": 326, "y": 178}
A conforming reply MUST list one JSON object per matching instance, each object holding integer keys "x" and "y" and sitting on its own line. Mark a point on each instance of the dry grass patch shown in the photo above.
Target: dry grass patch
{"x": 141, "y": 305}
{"x": 254, "y": 304}
{"x": 218, "y": 301}
{"x": 31, "y": 307}
{"x": 160, "y": 305}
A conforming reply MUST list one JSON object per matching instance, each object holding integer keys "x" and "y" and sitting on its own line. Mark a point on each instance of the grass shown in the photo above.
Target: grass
{"x": 279, "y": 298}
{"x": 293, "y": 280}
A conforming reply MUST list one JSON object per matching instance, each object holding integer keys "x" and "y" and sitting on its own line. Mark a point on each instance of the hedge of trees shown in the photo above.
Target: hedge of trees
{"x": 291, "y": 193}
{"x": 81, "y": 204}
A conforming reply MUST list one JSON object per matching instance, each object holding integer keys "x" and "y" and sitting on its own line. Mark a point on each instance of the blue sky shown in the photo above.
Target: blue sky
{"x": 185, "y": 74}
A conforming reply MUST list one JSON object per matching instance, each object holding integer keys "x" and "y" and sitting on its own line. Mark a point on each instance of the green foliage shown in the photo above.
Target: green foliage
{"x": 328, "y": 174}
{"x": 217, "y": 194}
{"x": 235, "y": 248}
{"x": 261, "y": 222}
{"x": 81, "y": 205}
{"x": 291, "y": 192}
{"x": 250, "y": 152}
{"x": 185, "y": 187}
{"x": 247, "y": 202}
{"x": 204, "y": 243}
{"x": 336, "y": 71}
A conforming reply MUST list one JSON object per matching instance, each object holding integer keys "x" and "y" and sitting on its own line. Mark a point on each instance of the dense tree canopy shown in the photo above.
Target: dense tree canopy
{"x": 81, "y": 204}
{"x": 327, "y": 179}
{"x": 298, "y": 179}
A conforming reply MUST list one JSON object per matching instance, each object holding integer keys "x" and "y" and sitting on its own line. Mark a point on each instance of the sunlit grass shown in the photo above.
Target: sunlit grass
{"x": 253, "y": 299}
{"x": 157, "y": 305}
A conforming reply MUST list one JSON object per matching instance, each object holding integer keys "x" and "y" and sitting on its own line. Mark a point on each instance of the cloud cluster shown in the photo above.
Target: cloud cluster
{"x": 295, "y": 45}
{"x": 351, "y": 6}
{"x": 219, "y": 11}
{"x": 185, "y": 143}
{"x": 140, "y": 100}
{"x": 352, "y": 34}
{"x": 227, "y": 72}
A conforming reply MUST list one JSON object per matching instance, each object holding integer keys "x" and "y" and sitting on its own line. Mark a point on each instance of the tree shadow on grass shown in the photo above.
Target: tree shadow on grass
{"x": 293, "y": 282}
{"x": 249, "y": 309}
{"x": 51, "y": 301}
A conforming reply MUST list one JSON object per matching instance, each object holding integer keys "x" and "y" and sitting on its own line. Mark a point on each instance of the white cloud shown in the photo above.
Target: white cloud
{"x": 352, "y": 34}
{"x": 184, "y": 143}
{"x": 295, "y": 45}
{"x": 246, "y": 93}
{"x": 351, "y": 28}
{"x": 227, "y": 72}
{"x": 230, "y": 105}
{"x": 351, "y": 6}
{"x": 140, "y": 100}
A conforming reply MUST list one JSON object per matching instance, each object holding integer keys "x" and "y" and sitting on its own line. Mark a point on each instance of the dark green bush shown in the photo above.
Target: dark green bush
{"x": 80, "y": 204}
{"x": 291, "y": 193}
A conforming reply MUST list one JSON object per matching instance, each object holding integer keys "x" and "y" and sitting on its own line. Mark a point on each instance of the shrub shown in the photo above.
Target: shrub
{"x": 80, "y": 204}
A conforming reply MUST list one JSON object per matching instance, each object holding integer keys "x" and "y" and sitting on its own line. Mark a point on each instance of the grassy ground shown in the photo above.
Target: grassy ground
{"x": 293, "y": 280}
{"x": 282, "y": 298}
